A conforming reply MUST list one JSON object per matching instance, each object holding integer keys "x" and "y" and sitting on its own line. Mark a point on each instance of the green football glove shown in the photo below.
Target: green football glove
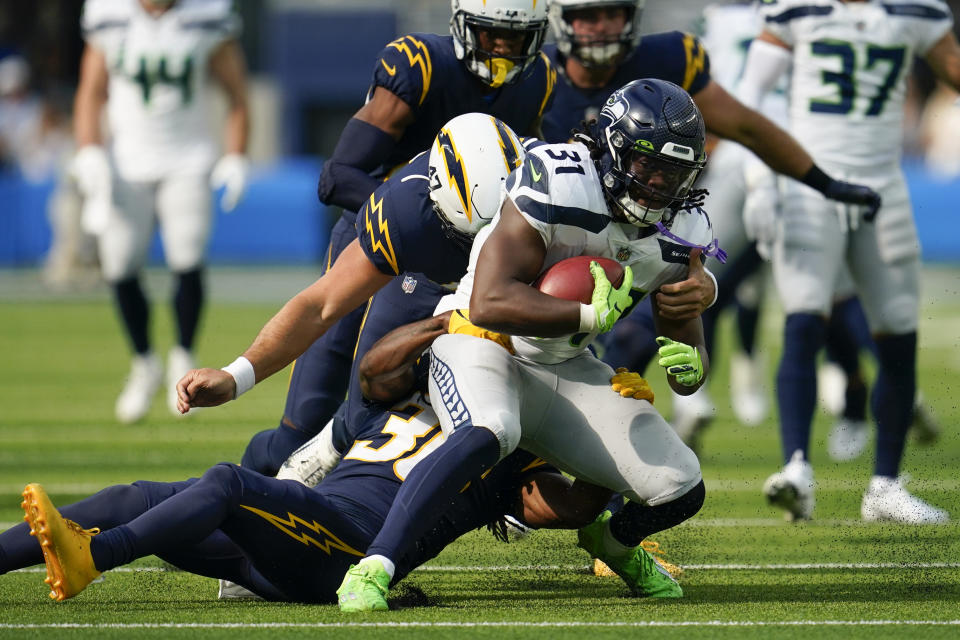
{"x": 609, "y": 303}
{"x": 681, "y": 361}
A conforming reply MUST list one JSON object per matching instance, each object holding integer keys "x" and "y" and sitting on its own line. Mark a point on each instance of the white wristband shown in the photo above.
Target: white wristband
{"x": 588, "y": 318}
{"x": 243, "y": 374}
{"x": 716, "y": 288}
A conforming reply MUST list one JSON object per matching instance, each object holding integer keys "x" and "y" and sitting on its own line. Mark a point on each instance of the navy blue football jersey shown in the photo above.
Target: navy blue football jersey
{"x": 388, "y": 445}
{"x": 423, "y": 71}
{"x": 674, "y": 56}
{"x": 399, "y": 230}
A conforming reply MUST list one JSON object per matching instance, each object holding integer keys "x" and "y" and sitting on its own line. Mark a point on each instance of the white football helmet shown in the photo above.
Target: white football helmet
{"x": 527, "y": 18}
{"x": 470, "y": 159}
{"x": 595, "y": 51}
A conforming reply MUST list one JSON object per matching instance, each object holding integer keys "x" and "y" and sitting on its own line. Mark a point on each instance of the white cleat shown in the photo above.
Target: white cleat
{"x": 832, "y": 388}
{"x": 179, "y": 362}
{"x": 887, "y": 499}
{"x": 692, "y": 415}
{"x": 791, "y": 488}
{"x": 748, "y": 389}
{"x": 233, "y": 591}
{"x": 848, "y": 439}
{"x": 146, "y": 375}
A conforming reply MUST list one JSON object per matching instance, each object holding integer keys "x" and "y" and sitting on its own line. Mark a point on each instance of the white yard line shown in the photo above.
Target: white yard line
{"x": 470, "y": 625}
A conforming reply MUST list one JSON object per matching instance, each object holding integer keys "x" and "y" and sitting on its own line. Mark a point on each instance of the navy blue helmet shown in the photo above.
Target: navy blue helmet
{"x": 652, "y": 137}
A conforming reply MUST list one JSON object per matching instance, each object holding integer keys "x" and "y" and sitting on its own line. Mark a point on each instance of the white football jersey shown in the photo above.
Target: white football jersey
{"x": 850, "y": 62}
{"x": 557, "y": 190}
{"x": 728, "y": 30}
{"x": 158, "y": 66}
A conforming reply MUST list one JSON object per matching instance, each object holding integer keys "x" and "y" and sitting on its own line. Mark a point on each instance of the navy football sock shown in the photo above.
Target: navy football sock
{"x": 855, "y": 400}
{"x": 636, "y": 521}
{"x": 466, "y": 454}
{"x": 748, "y": 317}
{"x": 106, "y": 509}
{"x": 803, "y": 336}
{"x": 850, "y": 323}
{"x": 134, "y": 312}
{"x": 892, "y": 400}
{"x": 187, "y": 517}
{"x": 187, "y": 305}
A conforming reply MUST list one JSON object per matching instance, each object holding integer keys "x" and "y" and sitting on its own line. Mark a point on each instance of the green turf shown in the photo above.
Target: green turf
{"x": 63, "y": 364}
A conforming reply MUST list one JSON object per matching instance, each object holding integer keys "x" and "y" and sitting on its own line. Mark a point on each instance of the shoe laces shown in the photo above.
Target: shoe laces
{"x": 76, "y": 528}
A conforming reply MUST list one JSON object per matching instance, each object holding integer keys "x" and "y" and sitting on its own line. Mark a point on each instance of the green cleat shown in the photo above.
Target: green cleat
{"x": 643, "y": 574}
{"x": 364, "y": 588}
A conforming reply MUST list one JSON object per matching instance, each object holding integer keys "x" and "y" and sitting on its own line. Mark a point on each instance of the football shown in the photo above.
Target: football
{"x": 570, "y": 279}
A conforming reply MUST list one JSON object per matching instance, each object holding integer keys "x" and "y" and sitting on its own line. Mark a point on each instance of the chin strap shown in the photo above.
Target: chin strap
{"x": 694, "y": 202}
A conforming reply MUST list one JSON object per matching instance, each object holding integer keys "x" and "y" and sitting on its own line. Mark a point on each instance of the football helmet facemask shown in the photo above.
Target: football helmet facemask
{"x": 600, "y": 50}
{"x": 524, "y": 20}
{"x": 470, "y": 159}
{"x": 652, "y": 137}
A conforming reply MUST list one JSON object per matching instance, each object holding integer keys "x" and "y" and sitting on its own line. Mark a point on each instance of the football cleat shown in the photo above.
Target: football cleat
{"x": 792, "y": 488}
{"x": 692, "y": 415}
{"x": 644, "y": 575}
{"x": 848, "y": 439}
{"x": 65, "y": 545}
{"x": 748, "y": 389}
{"x": 146, "y": 375}
{"x": 887, "y": 499}
{"x": 233, "y": 591}
{"x": 179, "y": 362}
{"x": 653, "y": 548}
{"x": 364, "y": 588}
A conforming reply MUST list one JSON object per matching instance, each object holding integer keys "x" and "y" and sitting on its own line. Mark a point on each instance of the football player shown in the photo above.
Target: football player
{"x": 599, "y": 48}
{"x": 849, "y": 62}
{"x": 622, "y": 191}
{"x": 280, "y": 539}
{"x": 491, "y": 63}
{"x": 418, "y": 221}
{"x": 147, "y": 63}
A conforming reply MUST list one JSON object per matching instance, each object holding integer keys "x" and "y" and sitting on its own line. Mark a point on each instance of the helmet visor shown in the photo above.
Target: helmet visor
{"x": 510, "y": 41}
{"x": 655, "y": 181}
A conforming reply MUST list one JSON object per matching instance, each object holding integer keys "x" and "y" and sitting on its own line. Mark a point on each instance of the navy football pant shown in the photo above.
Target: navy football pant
{"x": 318, "y": 382}
{"x": 276, "y": 537}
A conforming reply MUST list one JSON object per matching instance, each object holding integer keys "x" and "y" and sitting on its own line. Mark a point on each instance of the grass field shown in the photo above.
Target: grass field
{"x": 748, "y": 573}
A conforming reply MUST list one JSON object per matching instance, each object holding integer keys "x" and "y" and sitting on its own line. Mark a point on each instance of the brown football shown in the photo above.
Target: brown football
{"x": 570, "y": 279}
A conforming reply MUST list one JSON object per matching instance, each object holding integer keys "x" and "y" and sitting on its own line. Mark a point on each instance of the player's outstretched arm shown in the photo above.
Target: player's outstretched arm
{"x": 502, "y": 299}
{"x": 386, "y": 371}
{"x": 364, "y": 145}
{"x": 349, "y": 283}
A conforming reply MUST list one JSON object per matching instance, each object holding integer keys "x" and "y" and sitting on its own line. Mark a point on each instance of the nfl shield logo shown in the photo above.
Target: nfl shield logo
{"x": 623, "y": 254}
{"x": 409, "y": 284}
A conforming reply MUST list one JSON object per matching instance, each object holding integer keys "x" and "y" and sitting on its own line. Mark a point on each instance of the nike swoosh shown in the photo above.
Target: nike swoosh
{"x": 391, "y": 70}
{"x": 536, "y": 176}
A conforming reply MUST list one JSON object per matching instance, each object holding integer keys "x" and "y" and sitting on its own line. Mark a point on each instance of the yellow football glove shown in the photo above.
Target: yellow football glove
{"x": 630, "y": 384}
{"x": 460, "y": 323}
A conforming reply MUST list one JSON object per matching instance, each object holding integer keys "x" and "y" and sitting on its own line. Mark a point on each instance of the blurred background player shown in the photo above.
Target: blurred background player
{"x": 490, "y": 63}
{"x": 147, "y": 62}
{"x": 599, "y": 48}
{"x": 847, "y": 91}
